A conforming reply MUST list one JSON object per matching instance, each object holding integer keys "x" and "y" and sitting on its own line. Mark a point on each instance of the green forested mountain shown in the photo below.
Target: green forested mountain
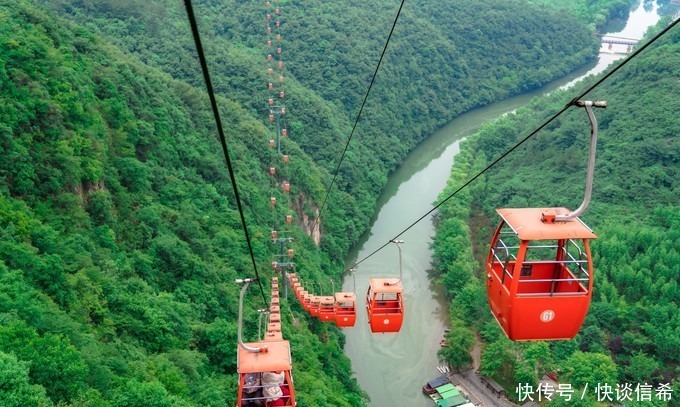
{"x": 120, "y": 241}
{"x": 632, "y": 332}
{"x": 119, "y": 235}
{"x": 442, "y": 61}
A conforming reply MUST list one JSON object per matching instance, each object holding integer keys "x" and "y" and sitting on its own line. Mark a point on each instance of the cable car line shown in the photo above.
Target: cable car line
{"x": 574, "y": 101}
{"x": 356, "y": 122}
{"x": 220, "y": 131}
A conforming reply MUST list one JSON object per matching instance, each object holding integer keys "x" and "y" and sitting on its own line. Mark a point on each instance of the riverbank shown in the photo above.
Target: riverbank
{"x": 392, "y": 367}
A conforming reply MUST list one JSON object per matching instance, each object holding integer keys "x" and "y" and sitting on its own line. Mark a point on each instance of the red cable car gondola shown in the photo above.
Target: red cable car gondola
{"x": 314, "y": 305}
{"x": 345, "y": 309}
{"x": 385, "y": 302}
{"x": 275, "y": 317}
{"x": 300, "y": 294}
{"x": 306, "y": 301}
{"x": 327, "y": 308}
{"x": 256, "y": 361}
{"x": 539, "y": 268}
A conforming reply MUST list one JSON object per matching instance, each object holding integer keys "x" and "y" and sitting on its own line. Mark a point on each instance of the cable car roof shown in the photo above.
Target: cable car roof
{"x": 327, "y": 300}
{"x": 276, "y": 358}
{"x": 345, "y": 297}
{"x": 273, "y": 336}
{"x": 527, "y": 224}
{"x": 385, "y": 285}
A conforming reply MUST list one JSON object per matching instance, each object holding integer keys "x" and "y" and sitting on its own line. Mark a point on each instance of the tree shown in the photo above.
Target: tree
{"x": 16, "y": 390}
{"x": 459, "y": 343}
{"x": 590, "y": 368}
{"x": 642, "y": 369}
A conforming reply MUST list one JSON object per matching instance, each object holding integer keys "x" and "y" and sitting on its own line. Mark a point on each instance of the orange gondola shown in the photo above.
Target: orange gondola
{"x": 539, "y": 268}
{"x": 539, "y": 275}
{"x": 263, "y": 365}
{"x": 273, "y": 356}
{"x": 314, "y": 306}
{"x": 385, "y": 301}
{"x": 306, "y": 301}
{"x": 345, "y": 309}
{"x": 275, "y": 317}
{"x": 327, "y": 308}
{"x": 385, "y": 306}
{"x": 300, "y": 295}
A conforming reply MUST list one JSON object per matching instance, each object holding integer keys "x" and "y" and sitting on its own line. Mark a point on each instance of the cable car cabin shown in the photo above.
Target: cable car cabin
{"x": 301, "y": 298}
{"x": 293, "y": 280}
{"x": 345, "y": 309}
{"x": 314, "y": 306}
{"x": 539, "y": 275}
{"x": 307, "y": 302}
{"x": 266, "y": 374}
{"x": 273, "y": 336}
{"x": 300, "y": 293}
{"x": 327, "y": 308}
{"x": 275, "y": 317}
{"x": 274, "y": 327}
{"x": 385, "y": 305}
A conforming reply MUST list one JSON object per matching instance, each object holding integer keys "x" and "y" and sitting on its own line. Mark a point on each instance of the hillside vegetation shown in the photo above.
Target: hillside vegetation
{"x": 120, "y": 240}
{"x": 632, "y": 332}
{"x": 119, "y": 235}
{"x": 441, "y": 61}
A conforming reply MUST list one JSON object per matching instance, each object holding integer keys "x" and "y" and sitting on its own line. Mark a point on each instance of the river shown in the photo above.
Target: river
{"x": 393, "y": 367}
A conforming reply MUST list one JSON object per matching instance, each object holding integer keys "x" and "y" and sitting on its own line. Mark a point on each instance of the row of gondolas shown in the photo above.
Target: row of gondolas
{"x": 339, "y": 308}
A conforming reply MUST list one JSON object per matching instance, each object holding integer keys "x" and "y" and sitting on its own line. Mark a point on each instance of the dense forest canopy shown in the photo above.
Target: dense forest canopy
{"x": 632, "y": 331}
{"x": 119, "y": 235}
{"x": 432, "y": 71}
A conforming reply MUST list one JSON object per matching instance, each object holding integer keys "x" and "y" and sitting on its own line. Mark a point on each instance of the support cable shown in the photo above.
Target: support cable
{"x": 223, "y": 140}
{"x": 574, "y": 101}
{"x": 356, "y": 122}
